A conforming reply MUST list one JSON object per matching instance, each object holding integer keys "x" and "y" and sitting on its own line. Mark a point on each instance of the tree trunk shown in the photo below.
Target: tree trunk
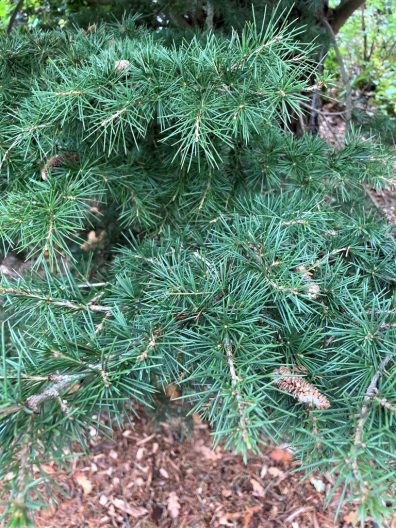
{"x": 343, "y": 12}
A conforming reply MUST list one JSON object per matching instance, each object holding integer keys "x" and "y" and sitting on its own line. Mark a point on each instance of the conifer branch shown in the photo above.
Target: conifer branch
{"x": 236, "y": 392}
{"x": 55, "y": 302}
{"x": 256, "y": 52}
{"x": 384, "y": 403}
{"x": 93, "y": 285}
{"x": 60, "y": 383}
{"x": 23, "y": 469}
{"x": 151, "y": 345}
{"x": 69, "y": 92}
{"x": 370, "y": 394}
{"x": 99, "y": 327}
{"x": 313, "y": 289}
{"x": 114, "y": 116}
{"x": 10, "y": 409}
{"x": 5, "y": 155}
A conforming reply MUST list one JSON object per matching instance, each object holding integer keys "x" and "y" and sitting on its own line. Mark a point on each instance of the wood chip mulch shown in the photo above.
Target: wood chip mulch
{"x": 152, "y": 475}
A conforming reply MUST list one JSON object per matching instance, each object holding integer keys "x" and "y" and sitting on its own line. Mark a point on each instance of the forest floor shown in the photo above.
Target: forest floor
{"x": 165, "y": 474}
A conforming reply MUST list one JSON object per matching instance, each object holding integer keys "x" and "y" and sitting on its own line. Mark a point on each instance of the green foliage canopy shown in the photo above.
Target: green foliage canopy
{"x": 253, "y": 275}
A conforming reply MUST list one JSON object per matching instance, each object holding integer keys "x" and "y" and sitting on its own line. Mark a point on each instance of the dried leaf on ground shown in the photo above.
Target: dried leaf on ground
{"x": 249, "y": 515}
{"x": 318, "y": 484}
{"x": 93, "y": 241}
{"x": 350, "y": 517}
{"x": 173, "y": 505}
{"x": 83, "y": 481}
{"x": 206, "y": 451}
{"x": 276, "y": 472}
{"x": 258, "y": 489}
{"x": 227, "y": 518}
{"x": 164, "y": 473}
{"x": 133, "y": 511}
{"x": 281, "y": 456}
{"x": 172, "y": 391}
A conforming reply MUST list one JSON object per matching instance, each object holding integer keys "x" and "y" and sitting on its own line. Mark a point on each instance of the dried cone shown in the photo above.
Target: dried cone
{"x": 122, "y": 65}
{"x": 301, "y": 389}
{"x": 59, "y": 160}
{"x": 54, "y": 161}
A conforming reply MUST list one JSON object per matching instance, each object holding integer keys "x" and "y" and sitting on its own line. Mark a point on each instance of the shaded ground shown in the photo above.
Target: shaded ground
{"x": 150, "y": 477}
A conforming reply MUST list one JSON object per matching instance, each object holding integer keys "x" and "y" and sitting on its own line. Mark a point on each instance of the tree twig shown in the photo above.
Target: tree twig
{"x": 384, "y": 403}
{"x": 343, "y": 71}
{"x": 236, "y": 392}
{"x": 60, "y": 383}
{"x": 316, "y": 110}
{"x": 56, "y": 302}
{"x": 370, "y": 394}
{"x": 316, "y": 99}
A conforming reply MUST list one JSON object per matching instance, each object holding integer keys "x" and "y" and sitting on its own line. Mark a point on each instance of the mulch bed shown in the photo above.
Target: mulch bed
{"x": 157, "y": 475}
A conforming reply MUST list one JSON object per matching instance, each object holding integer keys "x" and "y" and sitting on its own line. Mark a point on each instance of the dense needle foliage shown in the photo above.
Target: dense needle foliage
{"x": 244, "y": 265}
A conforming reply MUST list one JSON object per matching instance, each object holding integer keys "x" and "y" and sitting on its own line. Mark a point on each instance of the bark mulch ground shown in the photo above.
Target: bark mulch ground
{"x": 160, "y": 474}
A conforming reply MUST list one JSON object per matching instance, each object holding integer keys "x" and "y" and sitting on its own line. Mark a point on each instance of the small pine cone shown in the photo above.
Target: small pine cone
{"x": 122, "y": 65}
{"x": 54, "y": 161}
{"x": 59, "y": 160}
{"x": 301, "y": 389}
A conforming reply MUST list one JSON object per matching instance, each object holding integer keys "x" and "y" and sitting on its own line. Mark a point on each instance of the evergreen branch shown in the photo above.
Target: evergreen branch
{"x": 69, "y": 92}
{"x": 99, "y": 327}
{"x": 48, "y": 238}
{"x": 24, "y": 466}
{"x": 151, "y": 345}
{"x": 113, "y": 116}
{"x": 61, "y": 382}
{"x": 384, "y": 403}
{"x": 370, "y": 394}
{"x": 5, "y": 155}
{"x": 55, "y": 302}
{"x": 93, "y": 285}
{"x": 10, "y": 409}
{"x": 236, "y": 392}
{"x": 256, "y": 52}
